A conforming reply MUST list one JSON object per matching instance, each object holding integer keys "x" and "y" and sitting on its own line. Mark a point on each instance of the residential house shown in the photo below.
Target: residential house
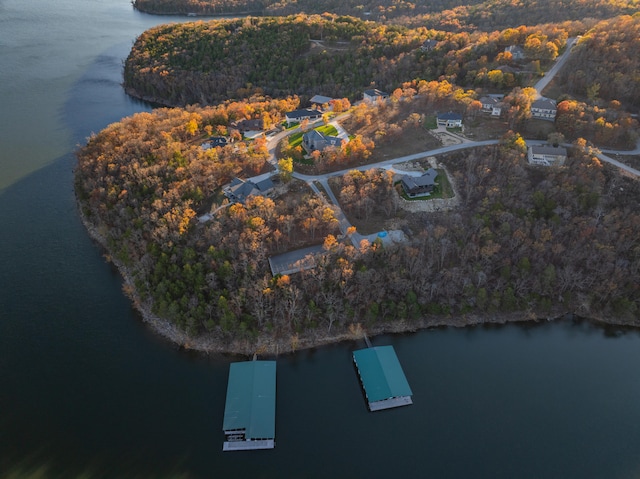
{"x": 214, "y": 142}
{"x": 544, "y": 109}
{"x": 492, "y": 104}
{"x": 315, "y": 141}
{"x": 419, "y": 185}
{"x": 428, "y": 45}
{"x": 239, "y": 190}
{"x": 450, "y": 120}
{"x": 375, "y": 95}
{"x": 547, "y": 155}
{"x": 248, "y": 125}
{"x": 318, "y": 102}
{"x": 517, "y": 52}
{"x": 298, "y": 116}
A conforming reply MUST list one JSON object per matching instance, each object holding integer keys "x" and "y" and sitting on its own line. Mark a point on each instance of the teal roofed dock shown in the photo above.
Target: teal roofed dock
{"x": 383, "y": 379}
{"x": 250, "y": 410}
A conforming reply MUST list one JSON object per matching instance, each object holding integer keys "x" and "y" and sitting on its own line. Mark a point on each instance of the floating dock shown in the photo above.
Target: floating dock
{"x": 250, "y": 410}
{"x": 383, "y": 380}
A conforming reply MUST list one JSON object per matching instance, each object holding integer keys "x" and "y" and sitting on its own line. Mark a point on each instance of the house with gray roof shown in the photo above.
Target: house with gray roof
{"x": 415, "y": 186}
{"x": 248, "y": 125}
{"x": 544, "y": 109}
{"x": 315, "y": 141}
{"x": 239, "y": 190}
{"x": 298, "y": 116}
{"x": 492, "y": 104}
{"x": 214, "y": 142}
{"x": 374, "y": 95}
{"x": 318, "y": 102}
{"x": 547, "y": 155}
{"x": 450, "y": 119}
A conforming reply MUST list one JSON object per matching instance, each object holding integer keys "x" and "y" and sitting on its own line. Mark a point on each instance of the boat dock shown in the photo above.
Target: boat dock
{"x": 383, "y": 380}
{"x": 250, "y": 409}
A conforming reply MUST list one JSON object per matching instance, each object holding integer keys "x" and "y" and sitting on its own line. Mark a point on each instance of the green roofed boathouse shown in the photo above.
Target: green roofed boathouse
{"x": 383, "y": 380}
{"x": 250, "y": 410}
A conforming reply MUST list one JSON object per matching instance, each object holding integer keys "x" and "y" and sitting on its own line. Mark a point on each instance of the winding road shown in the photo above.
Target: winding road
{"x": 323, "y": 179}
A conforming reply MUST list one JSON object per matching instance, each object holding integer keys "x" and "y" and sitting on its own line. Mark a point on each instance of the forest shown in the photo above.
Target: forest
{"x": 447, "y": 15}
{"x": 541, "y": 242}
{"x": 209, "y": 62}
{"x": 523, "y": 241}
{"x": 604, "y": 66}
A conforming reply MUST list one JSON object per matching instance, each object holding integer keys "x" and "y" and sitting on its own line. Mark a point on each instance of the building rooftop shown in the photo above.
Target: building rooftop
{"x": 427, "y": 179}
{"x": 449, "y": 116}
{"x": 239, "y": 190}
{"x": 376, "y": 93}
{"x": 304, "y": 113}
{"x": 544, "y": 104}
{"x": 320, "y": 100}
{"x": 381, "y": 374}
{"x": 549, "y": 150}
{"x": 251, "y": 399}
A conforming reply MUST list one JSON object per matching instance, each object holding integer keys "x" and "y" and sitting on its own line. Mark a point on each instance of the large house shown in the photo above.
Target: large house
{"x": 239, "y": 190}
{"x": 450, "y": 120}
{"x": 419, "y": 185}
{"x": 298, "y": 116}
{"x": 248, "y": 125}
{"x": 544, "y": 109}
{"x": 315, "y": 141}
{"x": 375, "y": 95}
{"x": 491, "y": 104}
{"x": 547, "y": 155}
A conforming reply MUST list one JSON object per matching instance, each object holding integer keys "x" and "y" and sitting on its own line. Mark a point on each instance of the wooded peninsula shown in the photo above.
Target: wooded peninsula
{"x": 511, "y": 241}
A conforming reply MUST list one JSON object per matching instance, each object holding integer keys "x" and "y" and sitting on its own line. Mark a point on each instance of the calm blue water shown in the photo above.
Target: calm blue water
{"x": 84, "y": 386}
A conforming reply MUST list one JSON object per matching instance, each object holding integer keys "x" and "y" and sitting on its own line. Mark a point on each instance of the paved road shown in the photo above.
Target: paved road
{"x": 388, "y": 164}
{"x": 615, "y": 162}
{"x": 560, "y": 61}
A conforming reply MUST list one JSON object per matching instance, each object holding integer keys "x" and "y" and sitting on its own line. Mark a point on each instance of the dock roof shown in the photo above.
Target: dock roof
{"x": 251, "y": 399}
{"x": 381, "y": 373}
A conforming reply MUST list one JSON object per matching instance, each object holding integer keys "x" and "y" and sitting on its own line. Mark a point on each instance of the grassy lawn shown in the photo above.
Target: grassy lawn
{"x": 295, "y": 139}
{"x": 328, "y": 130}
{"x": 430, "y": 122}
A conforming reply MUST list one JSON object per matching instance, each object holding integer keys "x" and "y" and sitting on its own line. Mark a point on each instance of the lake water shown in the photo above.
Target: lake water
{"x": 84, "y": 386}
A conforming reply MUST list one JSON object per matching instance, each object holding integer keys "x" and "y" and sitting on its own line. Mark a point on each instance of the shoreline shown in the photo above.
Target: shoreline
{"x": 199, "y": 14}
{"x": 268, "y": 345}
{"x": 153, "y": 101}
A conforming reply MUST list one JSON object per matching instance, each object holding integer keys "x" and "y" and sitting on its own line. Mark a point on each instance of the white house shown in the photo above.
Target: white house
{"x": 450, "y": 120}
{"x": 547, "y": 155}
{"x": 491, "y": 104}
{"x": 544, "y": 109}
{"x": 297, "y": 116}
